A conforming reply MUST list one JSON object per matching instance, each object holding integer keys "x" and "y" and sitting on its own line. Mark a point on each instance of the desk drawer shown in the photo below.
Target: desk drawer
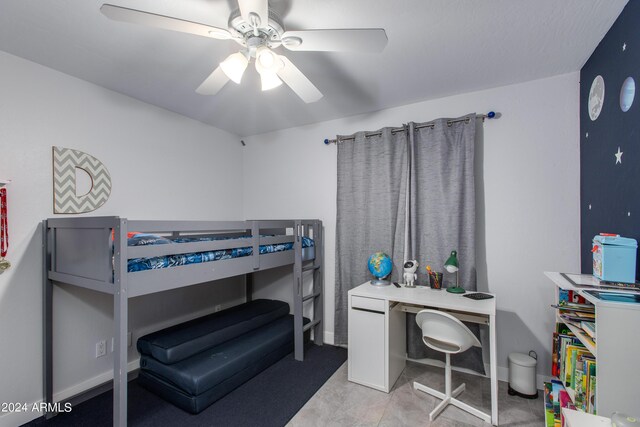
{"x": 365, "y": 303}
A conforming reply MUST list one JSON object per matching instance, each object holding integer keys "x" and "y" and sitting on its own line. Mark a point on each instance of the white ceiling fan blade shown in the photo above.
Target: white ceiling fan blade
{"x": 257, "y": 7}
{"x": 213, "y": 83}
{"x": 298, "y": 82}
{"x": 344, "y": 40}
{"x": 133, "y": 16}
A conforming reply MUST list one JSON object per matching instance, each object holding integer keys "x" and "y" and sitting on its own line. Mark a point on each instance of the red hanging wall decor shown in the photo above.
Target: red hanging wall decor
{"x": 4, "y": 231}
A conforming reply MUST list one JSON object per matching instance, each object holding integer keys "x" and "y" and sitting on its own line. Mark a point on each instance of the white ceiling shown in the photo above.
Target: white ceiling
{"x": 436, "y": 48}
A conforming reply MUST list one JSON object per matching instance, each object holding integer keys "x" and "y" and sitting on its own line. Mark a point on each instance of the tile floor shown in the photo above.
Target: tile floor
{"x": 341, "y": 403}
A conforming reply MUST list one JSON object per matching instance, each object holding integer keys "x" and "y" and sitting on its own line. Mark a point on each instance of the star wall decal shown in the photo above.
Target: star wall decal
{"x": 618, "y": 156}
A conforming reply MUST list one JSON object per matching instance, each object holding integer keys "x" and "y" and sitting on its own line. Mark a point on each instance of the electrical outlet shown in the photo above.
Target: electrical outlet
{"x": 101, "y": 348}
{"x": 129, "y": 342}
{"x": 217, "y": 308}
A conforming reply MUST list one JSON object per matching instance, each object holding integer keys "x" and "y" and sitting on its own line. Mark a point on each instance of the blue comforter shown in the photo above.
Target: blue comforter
{"x": 142, "y": 264}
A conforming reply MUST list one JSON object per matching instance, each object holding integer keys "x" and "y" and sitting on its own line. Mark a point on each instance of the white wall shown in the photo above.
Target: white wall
{"x": 527, "y": 197}
{"x": 163, "y": 166}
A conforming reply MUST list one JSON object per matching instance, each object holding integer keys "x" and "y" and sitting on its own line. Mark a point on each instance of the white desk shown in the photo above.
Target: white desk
{"x": 377, "y": 331}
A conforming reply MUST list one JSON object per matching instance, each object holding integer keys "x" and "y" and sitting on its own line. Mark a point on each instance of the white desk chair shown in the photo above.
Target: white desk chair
{"x": 445, "y": 333}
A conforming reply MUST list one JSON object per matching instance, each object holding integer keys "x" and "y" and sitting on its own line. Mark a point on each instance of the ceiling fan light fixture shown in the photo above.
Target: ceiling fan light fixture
{"x": 269, "y": 80}
{"x": 267, "y": 60}
{"x": 234, "y": 66}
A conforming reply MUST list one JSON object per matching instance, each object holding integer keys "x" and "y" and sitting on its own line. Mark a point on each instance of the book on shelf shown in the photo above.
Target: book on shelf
{"x": 548, "y": 406}
{"x": 585, "y": 315}
{"x": 579, "y": 393}
{"x": 567, "y": 347}
{"x": 568, "y": 296}
{"x": 576, "y": 308}
{"x": 570, "y": 362}
{"x": 589, "y": 328}
{"x": 556, "y": 348}
{"x": 556, "y": 387}
{"x": 580, "y": 379}
{"x": 554, "y": 355}
{"x": 591, "y": 387}
{"x": 565, "y": 402}
{"x": 571, "y": 321}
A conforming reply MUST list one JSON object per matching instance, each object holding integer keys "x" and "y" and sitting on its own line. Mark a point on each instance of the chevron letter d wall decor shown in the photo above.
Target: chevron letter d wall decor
{"x": 65, "y": 199}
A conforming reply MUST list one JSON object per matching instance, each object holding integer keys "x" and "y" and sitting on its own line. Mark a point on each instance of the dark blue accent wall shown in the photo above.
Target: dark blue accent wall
{"x": 610, "y": 191}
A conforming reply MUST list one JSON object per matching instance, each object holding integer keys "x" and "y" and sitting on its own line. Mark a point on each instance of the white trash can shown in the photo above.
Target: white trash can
{"x": 522, "y": 375}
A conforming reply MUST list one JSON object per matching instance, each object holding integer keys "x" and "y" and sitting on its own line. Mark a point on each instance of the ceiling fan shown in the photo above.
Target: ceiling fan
{"x": 260, "y": 30}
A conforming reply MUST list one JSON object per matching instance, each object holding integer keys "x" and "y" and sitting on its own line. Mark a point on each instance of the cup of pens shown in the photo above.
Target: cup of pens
{"x": 435, "y": 278}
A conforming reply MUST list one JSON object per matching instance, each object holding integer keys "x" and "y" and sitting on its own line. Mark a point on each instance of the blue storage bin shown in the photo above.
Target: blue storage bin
{"x": 614, "y": 258}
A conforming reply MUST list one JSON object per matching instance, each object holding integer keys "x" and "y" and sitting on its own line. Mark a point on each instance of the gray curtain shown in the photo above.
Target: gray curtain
{"x": 442, "y": 216}
{"x": 371, "y": 209}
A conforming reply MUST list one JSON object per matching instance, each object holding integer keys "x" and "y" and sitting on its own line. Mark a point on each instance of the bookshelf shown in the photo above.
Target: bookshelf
{"x": 616, "y": 349}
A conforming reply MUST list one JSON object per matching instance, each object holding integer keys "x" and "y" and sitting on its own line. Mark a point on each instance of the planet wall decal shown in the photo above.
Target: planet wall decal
{"x": 627, "y": 93}
{"x": 596, "y": 97}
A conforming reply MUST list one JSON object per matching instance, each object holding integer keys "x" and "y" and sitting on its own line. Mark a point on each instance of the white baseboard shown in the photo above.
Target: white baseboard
{"x": 503, "y": 375}
{"x": 328, "y": 338}
{"x": 86, "y": 385}
{"x": 13, "y": 419}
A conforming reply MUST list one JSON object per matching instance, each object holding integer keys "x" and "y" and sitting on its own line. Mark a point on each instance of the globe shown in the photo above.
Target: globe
{"x": 380, "y": 266}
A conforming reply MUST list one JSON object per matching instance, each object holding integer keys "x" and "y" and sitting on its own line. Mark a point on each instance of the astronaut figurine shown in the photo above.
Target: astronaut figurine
{"x": 410, "y": 276}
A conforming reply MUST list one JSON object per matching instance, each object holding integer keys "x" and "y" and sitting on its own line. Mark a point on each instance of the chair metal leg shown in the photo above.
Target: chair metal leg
{"x": 473, "y": 411}
{"x": 433, "y": 414}
{"x": 428, "y": 390}
{"x": 447, "y": 375}
{"x": 458, "y": 390}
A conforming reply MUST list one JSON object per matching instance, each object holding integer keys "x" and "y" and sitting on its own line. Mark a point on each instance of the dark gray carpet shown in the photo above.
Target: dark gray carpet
{"x": 270, "y": 399}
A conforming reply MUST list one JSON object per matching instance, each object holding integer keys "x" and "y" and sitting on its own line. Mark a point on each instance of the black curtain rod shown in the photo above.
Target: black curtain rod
{"x": 489, "y": 115}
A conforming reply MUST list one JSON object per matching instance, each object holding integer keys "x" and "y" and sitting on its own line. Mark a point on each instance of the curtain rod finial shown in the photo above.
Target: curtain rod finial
{"x": 491, "y": 115}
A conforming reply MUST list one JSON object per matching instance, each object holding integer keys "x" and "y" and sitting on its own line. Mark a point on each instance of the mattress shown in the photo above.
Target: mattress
{"x": 184, "y": 340}
{"x": 198, "y": 403}
{"x": 203, "y": 371}
{"x": 142, "y": 264}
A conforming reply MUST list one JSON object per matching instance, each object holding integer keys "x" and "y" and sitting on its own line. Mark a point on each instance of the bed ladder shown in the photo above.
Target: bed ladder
{"x": 305, "y": 229}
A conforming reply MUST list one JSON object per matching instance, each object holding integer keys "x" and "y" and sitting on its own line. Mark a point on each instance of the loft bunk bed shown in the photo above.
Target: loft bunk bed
{"x": 127, "y": 258}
